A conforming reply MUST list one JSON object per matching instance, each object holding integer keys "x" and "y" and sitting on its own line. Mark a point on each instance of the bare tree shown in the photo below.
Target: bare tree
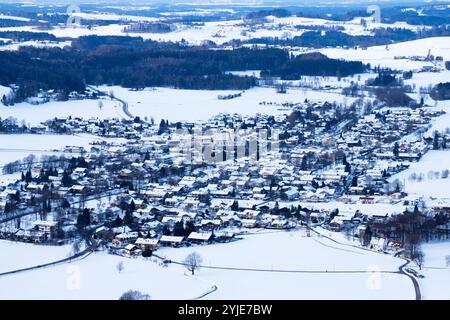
{"x": 76, "y": 247}
{"x": 348, "y": 233}
{"x": 193, "y": 262}
{"x": 134, "y": 295}
{"x": 120, "y": 266}
{"x": 418, "y": 258}
{"x": 29, "y": 160}
{"x": 308, "y": 223}
{"x": 12, "y": 167}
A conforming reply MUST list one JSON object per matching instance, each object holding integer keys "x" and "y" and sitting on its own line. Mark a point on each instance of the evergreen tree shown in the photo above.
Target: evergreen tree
{"x": 344, "y": 159}
{"x": 436, "y": 141}
{"x": 132, "y": 206}
{"x": 128, "y": 219}
{"x": 65, "y": 204}
{"x": 367, "y": 236}
{"x": 235, "y": 205}
{"x": 118, "y": 222}
{"x": 28, "y": 177}
{"x": 396, "y": 150}
{"x": 178, "y": 229}
{"x": 84, "y": 219}
{"x": 166, "y": 230}
{"x": 304, "y": 164}
{"x": 66, "y": 180}
{"x": 276, "y": 208}
{"x": 348, "y": 168}
{"x": 162, "y": 127}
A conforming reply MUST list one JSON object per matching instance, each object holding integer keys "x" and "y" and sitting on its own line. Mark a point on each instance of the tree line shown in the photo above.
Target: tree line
{"x": 20, "y": 36}
{"x": 335, "y": 38}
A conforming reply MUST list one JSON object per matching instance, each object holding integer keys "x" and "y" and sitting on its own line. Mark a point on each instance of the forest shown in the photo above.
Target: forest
{"x": 134, "y": 63}
{"x": 315, "y": 64}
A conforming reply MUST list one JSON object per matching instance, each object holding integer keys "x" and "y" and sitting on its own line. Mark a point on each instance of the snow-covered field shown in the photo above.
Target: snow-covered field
{"x": 217, "y": 31}
{"x": 172, "y": 104}
{"x": 18, "y": 146}
{"x": 197, "y": 11}
{"x": 430, "y": 169}
{"x": 35, "y": 114}
{"x": 293, "y": 251}
{"x": 97, "y": 277}
{"x": 111, "y": 16}
{"x": 16, "y": 255}
{"x": 436, "y": 271}
{"x": 37, "y": 44}
{"x": 4, "y": 91}
{"x": 43, "y": 142}
{"x": 442, "y": 123}
{"x": 6, "y": 179}
{"x": 290, "y": 265}
{"x": 192, "y": 105}
{"x": 426, "y": 79}
{"x": 378, "y": 55}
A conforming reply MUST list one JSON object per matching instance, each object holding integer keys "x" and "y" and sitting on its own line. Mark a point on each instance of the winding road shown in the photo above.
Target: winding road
{"x": 401, "y": 269}
{"x": 124, "y": 104}
{"x": 214, "y": 288}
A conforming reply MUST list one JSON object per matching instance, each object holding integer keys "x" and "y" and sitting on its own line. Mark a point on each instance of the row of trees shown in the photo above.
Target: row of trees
{"x": 395, "y": 97}
{"x": 412, "y": 228}
{"x": 336, "y": 38}
{"x": 11, "y": 125}
{"x": 49, "y": 164}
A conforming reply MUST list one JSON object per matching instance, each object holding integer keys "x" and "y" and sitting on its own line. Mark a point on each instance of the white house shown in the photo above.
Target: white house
{"x": 197, "y": 237}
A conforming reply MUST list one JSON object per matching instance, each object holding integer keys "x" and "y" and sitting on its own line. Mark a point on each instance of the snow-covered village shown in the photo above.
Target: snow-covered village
{"x": 224, "y": 151}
